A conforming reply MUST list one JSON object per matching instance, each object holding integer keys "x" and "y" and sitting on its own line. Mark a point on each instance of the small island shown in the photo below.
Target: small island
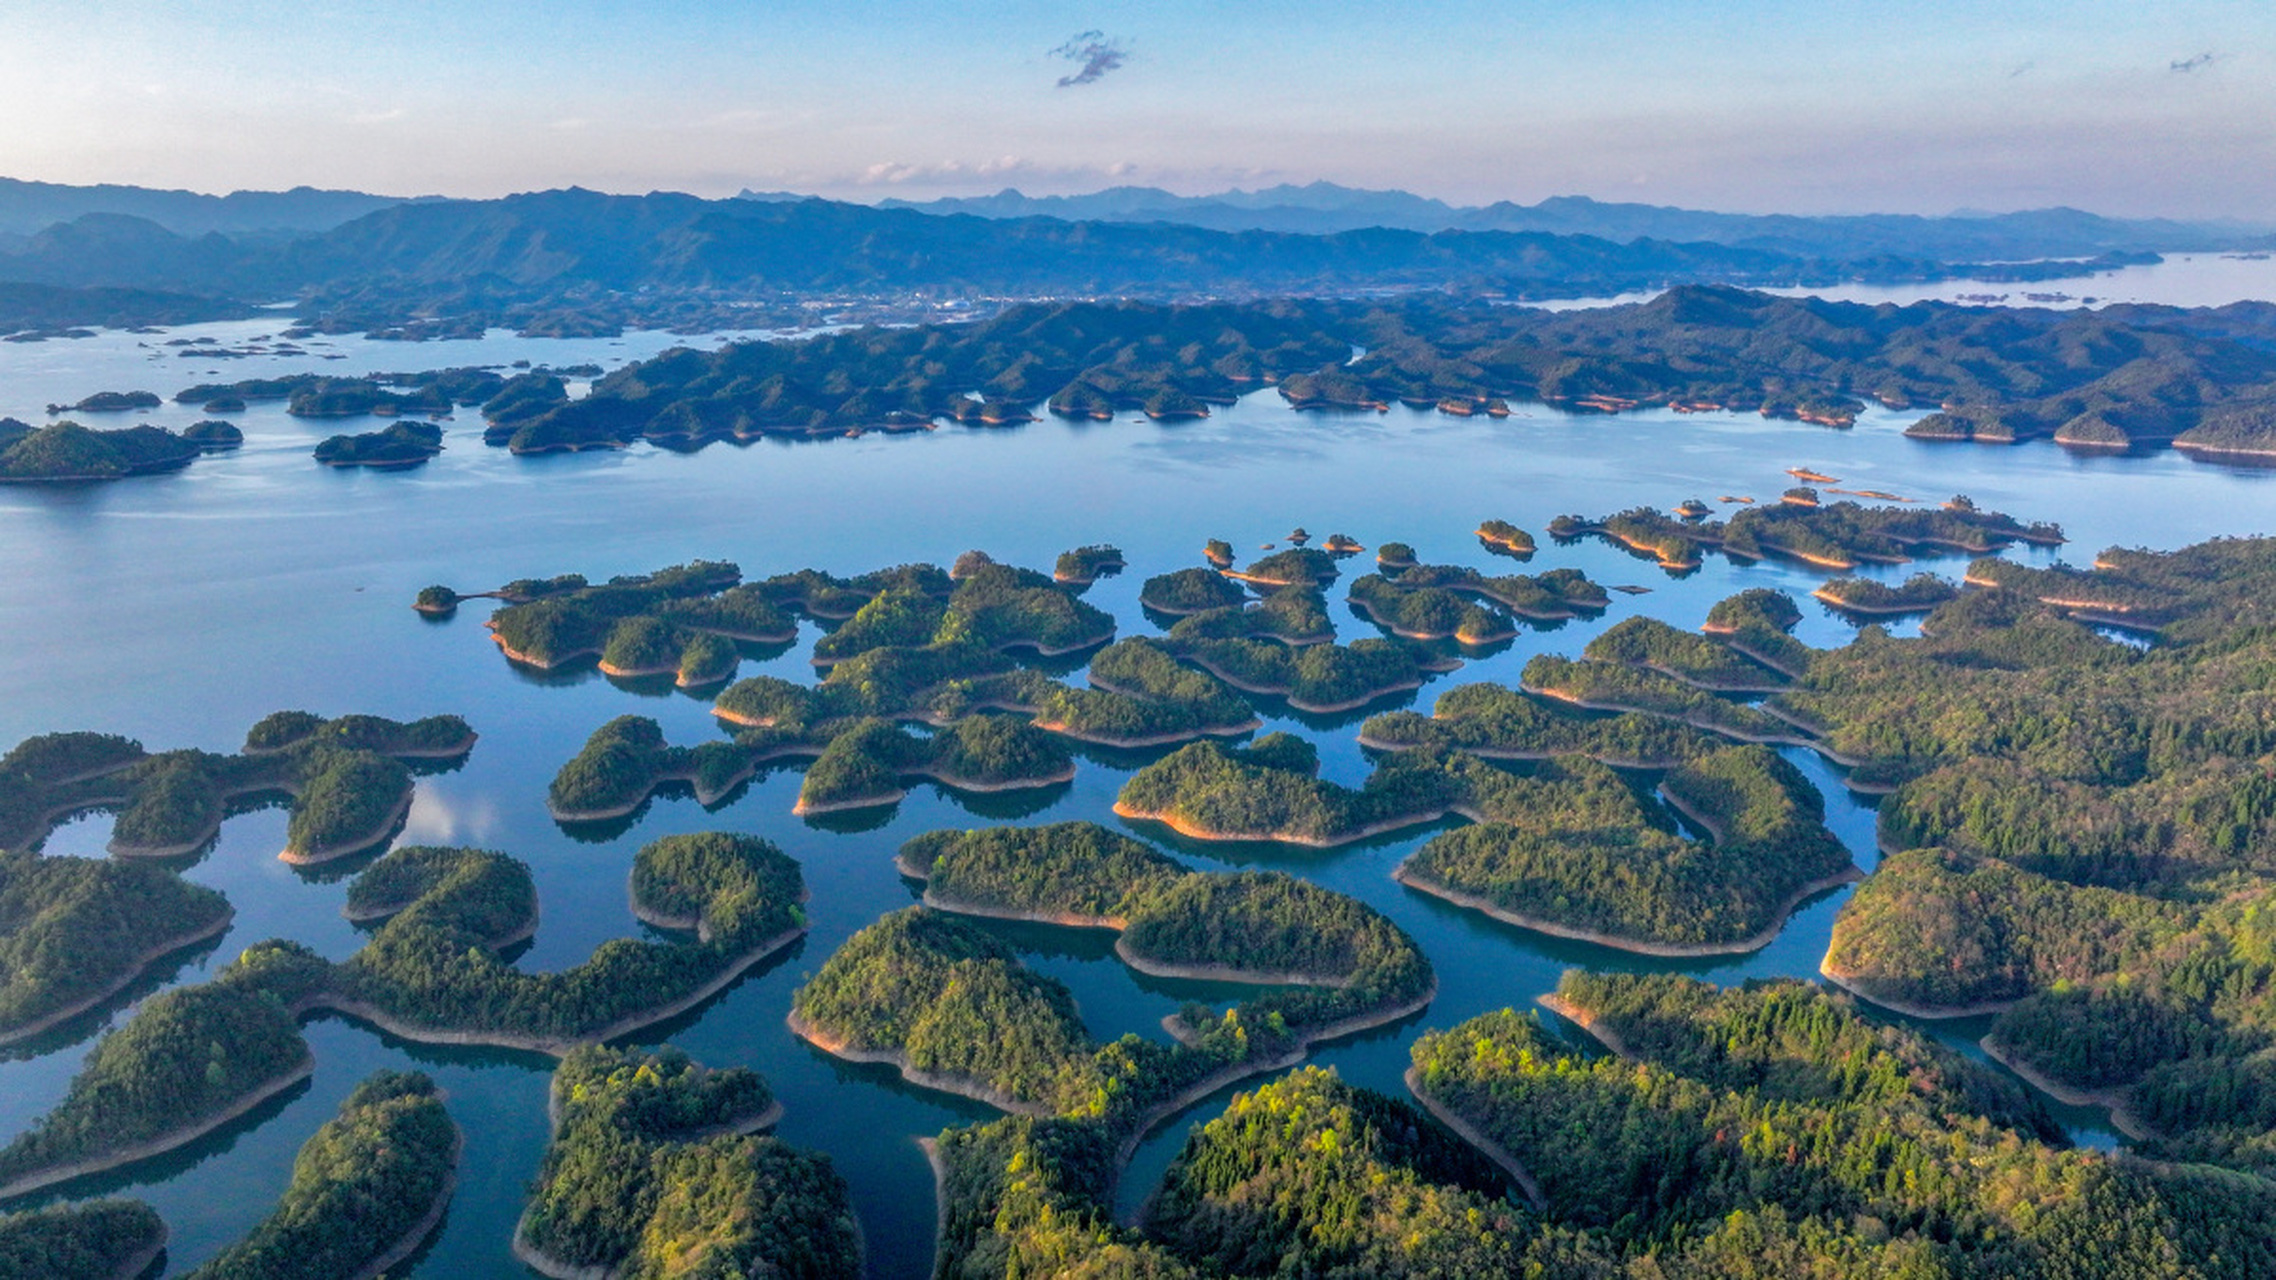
{"x": 1506, "y": 538}
{"x": 1085, "y": 565}
{"x": 366, "y": 1192}
{"x": 1865, "y": 597}
{"x": 66, "y": 451}
{"x": 92, "y": 1240}
{"x": 1575, "y": 855}
{"x": 404, "y": 444}
{"x": 651, "y": 1166}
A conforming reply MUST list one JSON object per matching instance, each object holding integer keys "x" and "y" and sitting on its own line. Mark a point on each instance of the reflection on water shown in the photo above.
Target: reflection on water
{"x": 181, "y": 608}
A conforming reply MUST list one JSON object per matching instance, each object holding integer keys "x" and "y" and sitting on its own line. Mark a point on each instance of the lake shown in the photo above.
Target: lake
{"x": 181, "y": 608}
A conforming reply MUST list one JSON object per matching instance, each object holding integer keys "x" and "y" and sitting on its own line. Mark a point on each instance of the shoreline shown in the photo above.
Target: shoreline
{"x": 1152, "y": 740}
{"x": 1192, "y": 832}
{"x": 138, "y": 1265}
{"x": 962, "y": 1086}
{"x": 951, "y": 781}
{"x": 551, "y": 1046}
{"x": 411, "y": 1240}
{"x": 1849, "y": 982}
{"x": 380, "y": 834}
{"x": 158, "y": 951}
{"x": 1636, "y": 946}
{"x": 1517, "y": 753}
{"x": 1589, "y": 1022}
{"x": 1288, "y": 693}
{"x": 1487, "y": 1147}
{"x": 164, "y": 1142}
{"x": 1306, "y": 1038}
{"x": 2114, "y": 1101}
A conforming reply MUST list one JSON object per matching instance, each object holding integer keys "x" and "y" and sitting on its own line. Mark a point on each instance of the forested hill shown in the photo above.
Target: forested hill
{"x": 574, "y": 248}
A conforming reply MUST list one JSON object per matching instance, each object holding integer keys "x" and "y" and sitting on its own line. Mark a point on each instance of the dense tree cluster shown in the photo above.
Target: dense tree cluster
{"x": 650, "y": 1175}
{"x": 369, "y": 1179}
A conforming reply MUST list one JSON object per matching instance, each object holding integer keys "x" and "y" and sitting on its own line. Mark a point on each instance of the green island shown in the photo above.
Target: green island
{"x": 76, "y": 931}
{"x": 1835, "y": 535}
{"x": 1028, "y": 1196}
{"x": 1771, "y": 1130}
{"x": 346, "y": 779}
{"x": 1085, "y": 565}
{"x": 1652, "y": 645}
{"x": 1428, "y": 612}
{"x": 856, "y": 764}
{"x": 1270, "y": 790}
{"x": 1920, "y": 593}
{"x": 1500, "y": 723}
{"x": 212, "y": 436}
{"x": 1190, "y": 591}
{"x": 1173, "y": 921}
{"x": 1554, "y": 596}
{"x": 392, "y": 448}
{"x": 1296, "y": 615}
{"x": 1296, "y": 566}
{"x": 367, "y": 1189}
{"x": 195, "y": 1058}
{"x": 1318, "y": 678}
{"x": 67, "y": 451}
{"x": 431, "y": 392}
{"x": 652, "y": 1173}
{"x": 953, "y": 1008}
{"x": 94, "y": 1240}
{"x": 2244, "y": 433}
{"x": 1571, "y": 851}
{"x": 1759, "y": 622}
{"x": 1394, "y": 556}
{"x": 1504, "y": 538}
{"x": 1617, "y": 686}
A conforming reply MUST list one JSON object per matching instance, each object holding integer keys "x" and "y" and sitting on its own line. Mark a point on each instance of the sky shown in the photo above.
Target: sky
{"x": 2131, "y": 108}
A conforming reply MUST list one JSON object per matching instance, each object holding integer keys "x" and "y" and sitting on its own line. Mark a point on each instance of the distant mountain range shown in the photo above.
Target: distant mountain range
{"x": 29, "y": 207}
{"x": 594, "y": 259}
{"x": 1324, "y": 207}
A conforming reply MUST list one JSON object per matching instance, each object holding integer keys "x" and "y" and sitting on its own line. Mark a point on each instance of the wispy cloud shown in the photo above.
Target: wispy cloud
{"x": 1095, "y": 55}
{"x": 2021, "y": 70}
{"x": 2187, "y": 65}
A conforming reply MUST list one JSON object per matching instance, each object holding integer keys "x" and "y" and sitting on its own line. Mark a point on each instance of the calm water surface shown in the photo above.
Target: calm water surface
{"x": 181, "y": 608}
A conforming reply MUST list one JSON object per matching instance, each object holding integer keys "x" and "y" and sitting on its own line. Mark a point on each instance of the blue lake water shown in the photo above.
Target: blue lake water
{"x": 181, "y": 608}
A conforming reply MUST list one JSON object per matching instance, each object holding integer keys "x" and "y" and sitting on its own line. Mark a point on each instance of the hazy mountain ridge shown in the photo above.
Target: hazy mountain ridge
{"x": 30, "y": 207}
{"x": 588, "y": 258}
{"x": 1322, "y": 207}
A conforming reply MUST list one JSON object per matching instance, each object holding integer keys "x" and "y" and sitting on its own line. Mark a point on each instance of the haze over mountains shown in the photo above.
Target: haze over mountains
{"x": 666, "y": 258}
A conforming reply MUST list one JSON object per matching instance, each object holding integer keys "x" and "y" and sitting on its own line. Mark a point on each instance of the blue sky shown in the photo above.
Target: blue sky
{"x": 1834, "y": 106}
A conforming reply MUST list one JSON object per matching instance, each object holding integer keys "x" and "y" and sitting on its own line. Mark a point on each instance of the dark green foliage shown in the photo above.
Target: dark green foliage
{"x": 1297, "y": 566}
{"x": 211, "y": 434}
{"x": 1771, "y": 1104}
{"x": 865, "y": 763}
{"x": 1140, "y": 694}
{"x": 401, "y": 445}
{"x": 346, "y": 802}
{"x": 1503, "y": 536}
{"x": 1083, "y": 564}
{"x": 184, "y": 1058}
{"x": 1921, "y": 593}
{"x": 1559, "y": 593}
{"x": 1295, "y": 615}
{"x": 1259, "y": 793}
{"x": 1310, "y": 1176}
{"x": 643, "y": 645}
{"x": 1755, "y": 606}
{"x": 647, "y": 1175}
{"x": 1190, "y": 591}
{"x": 1571, "y": 848}
{"x": 365, "y": 1180}
{"x": 72, "y": 929}
{"x": 88, "y": 1241}
{"x": 68, "y": 451}
{"x": 1325, "y": 677}
{"x": 1612, "y": 687}
{"x": 1496, "y": 721}
{"x": 1074, "y": 867}
{"x": 1428, "y": 612}
{"x": 1648, "y": 642}
{"x": 432, "y": 964}
{"x": 434, "y": 735}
